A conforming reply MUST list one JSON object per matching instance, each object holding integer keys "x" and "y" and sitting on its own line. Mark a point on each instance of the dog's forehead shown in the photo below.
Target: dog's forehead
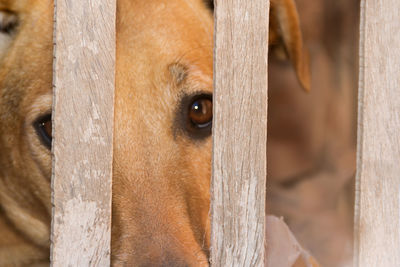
{"x": 26, "y": 6}
{"x": 164, "y": 51}
{"x": 170, "y": 38}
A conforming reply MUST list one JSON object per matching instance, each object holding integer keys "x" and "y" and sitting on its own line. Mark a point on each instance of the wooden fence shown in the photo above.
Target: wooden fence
{"x": 377, "y": 218}
{"x": 83, "y": 112}
{"x": 84, "y": 73}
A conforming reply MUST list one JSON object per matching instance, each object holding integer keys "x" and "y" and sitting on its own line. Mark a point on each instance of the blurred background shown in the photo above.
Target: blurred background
{"x": 312, "y": 136}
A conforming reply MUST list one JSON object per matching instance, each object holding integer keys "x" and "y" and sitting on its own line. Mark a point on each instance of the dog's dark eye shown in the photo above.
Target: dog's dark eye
{"x": 200, "y": 112}
{"x": 199, "y": 115}
{"x": 43, "y": 128}
{"x": 194, "y": 116}
{"x": 8, "y": 22}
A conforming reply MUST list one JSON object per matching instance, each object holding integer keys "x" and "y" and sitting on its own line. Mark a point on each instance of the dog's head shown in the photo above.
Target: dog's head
{"x": 163, "y": 119}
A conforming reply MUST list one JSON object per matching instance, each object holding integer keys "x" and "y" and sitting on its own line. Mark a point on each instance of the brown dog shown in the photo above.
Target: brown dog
{"x": 162, "y": 155}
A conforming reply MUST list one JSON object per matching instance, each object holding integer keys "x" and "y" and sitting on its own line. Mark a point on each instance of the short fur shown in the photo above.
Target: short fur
{"x": 161, "y": 175}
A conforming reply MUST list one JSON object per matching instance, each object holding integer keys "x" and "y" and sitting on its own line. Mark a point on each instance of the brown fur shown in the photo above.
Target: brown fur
{"x": 161, "y": 175}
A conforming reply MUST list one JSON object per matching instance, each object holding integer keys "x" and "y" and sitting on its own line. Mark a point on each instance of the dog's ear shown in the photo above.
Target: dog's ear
{"x": 285, "y": 30}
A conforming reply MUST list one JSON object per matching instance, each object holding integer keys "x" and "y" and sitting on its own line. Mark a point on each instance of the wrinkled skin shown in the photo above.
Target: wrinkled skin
{"x": 161, "y": 169}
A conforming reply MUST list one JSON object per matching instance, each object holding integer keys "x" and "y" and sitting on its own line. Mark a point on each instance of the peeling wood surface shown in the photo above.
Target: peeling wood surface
{"x": 377, "y": 218}
{"x": 239, "y": 133}
{"x": 82, "y": 132}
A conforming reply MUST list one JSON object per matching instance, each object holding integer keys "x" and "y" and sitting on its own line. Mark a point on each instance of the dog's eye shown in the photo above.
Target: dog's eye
{"x": 200, "y": 112}
{"x": 43, "y": 128}
{"x": 194, "y": 116}
{"x": 8, "y": 22}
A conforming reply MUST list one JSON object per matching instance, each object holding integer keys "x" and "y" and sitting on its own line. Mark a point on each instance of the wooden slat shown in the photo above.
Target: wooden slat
{"x": 83, "y": 131}
{"x": 239, "y": 132}
{"x": 377, "y": 219}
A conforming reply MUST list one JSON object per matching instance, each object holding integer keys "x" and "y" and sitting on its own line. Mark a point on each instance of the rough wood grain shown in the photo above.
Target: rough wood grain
{"x": 82, "y": 132}
{"x": 377, "y": 218}
{"x": 239, "y": 132}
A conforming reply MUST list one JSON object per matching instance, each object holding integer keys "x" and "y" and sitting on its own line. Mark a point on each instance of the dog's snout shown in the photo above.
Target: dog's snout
{"x": 198, "y": 261}
{"x": 174, "y": 260}
{"x": 183, "y": 259}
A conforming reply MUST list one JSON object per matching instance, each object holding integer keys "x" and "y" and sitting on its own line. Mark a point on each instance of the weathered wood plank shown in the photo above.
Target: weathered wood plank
{"x": 239, "y": 132}
{"x": 377, "y": 218}
{"x": 82, "y": 132}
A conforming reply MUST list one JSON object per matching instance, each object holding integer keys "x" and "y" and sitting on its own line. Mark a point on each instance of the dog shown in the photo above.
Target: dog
{"x": 162, "y": 139}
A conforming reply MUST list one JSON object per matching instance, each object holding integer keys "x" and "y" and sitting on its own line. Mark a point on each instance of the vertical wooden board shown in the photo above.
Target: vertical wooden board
{"x": 83, "y": 131}
{"x": 377, "y": 218}
{"x": 239, "y": 133}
